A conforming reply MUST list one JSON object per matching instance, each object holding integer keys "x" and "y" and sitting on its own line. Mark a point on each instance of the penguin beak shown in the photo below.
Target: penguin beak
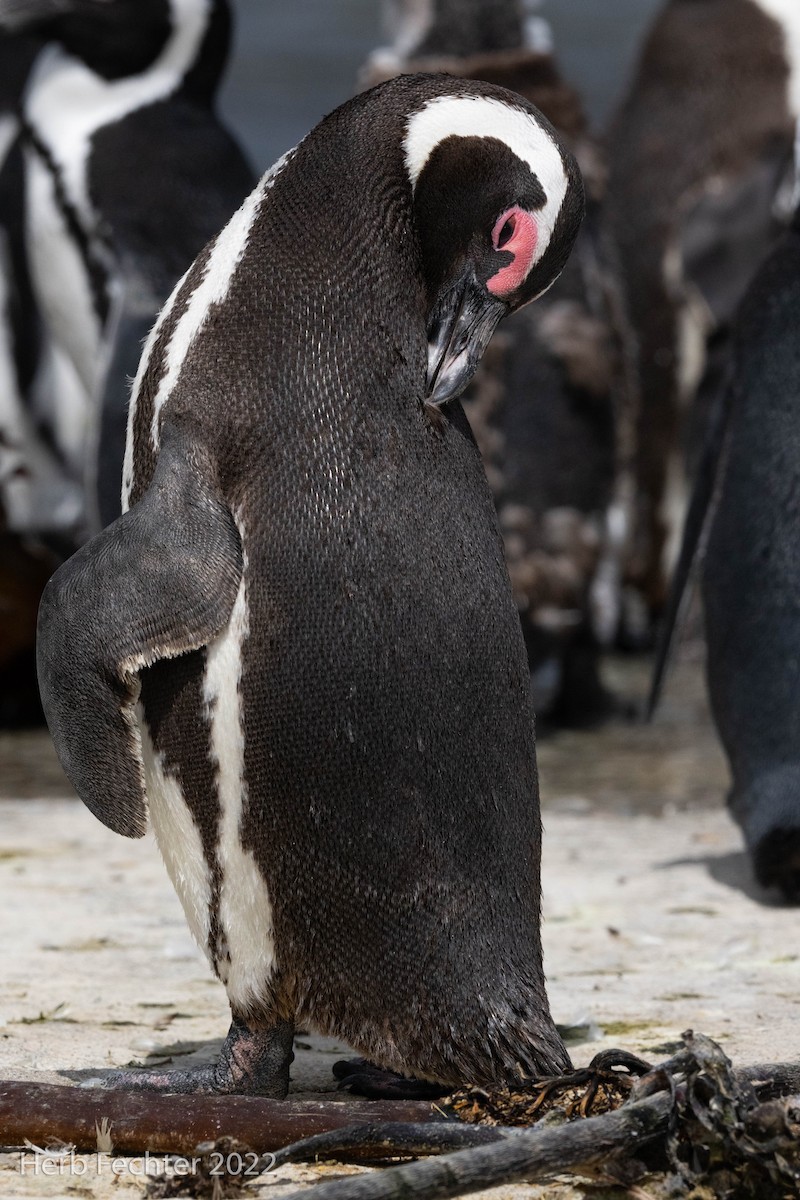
{"x": 459, "y": 328}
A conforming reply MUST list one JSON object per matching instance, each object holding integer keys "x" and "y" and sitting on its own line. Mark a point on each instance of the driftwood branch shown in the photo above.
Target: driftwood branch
{"x": 140, "y": 1121}
{"x": 389, "y": 1140}
{"x": 530, "y": 1154}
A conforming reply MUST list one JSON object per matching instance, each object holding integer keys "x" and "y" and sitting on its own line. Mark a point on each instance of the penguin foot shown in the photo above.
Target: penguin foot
{"x": 253, "y": 1062}
{"x": 776, "y": 863}
{"x": 363, "y": 1078}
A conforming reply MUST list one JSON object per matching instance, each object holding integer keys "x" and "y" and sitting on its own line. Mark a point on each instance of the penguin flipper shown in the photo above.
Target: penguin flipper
{"x": 158, "y": 582}
{"x": 695, "y": 529}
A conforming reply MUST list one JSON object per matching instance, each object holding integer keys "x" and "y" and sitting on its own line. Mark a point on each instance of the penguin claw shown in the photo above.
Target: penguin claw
{"x": 193, "y": 1080}
{"x": 363, "y": 1078}
{"x": 254, "y": 1061}
{"x": 207, "y": 1080}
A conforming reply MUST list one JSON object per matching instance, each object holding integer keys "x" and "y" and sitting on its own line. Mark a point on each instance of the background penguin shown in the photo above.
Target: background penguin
{"x": 700, "y": 156}
{"x": 17, "y": 309}
{"x": 308, "y": 600}
{"x": 36, "y": 497}
{"x": 455, "y": 29}
{"x": 542, "y": 403}
{"x": 745, "y": 510}
{"x": 128, "y": 175}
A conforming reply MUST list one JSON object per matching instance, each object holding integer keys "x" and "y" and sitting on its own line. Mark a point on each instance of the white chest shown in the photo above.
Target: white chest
{"x": 60, "y": 277}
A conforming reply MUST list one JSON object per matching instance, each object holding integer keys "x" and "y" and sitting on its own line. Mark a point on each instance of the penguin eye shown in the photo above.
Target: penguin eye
{"x": 515, "y": 233}
{"x": 503, "y": 235}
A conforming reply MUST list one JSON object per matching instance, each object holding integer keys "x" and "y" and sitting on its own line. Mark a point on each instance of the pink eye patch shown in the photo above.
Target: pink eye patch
{"x": 514, "y": 233}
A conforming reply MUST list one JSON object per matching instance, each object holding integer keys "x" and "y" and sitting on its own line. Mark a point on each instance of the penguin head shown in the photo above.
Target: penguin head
{"x": 431, "y": 28}
{"x": 114, "y": 38}
{"x": 497, "y": 201}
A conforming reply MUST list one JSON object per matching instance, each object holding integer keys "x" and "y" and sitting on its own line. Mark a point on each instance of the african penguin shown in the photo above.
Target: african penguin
{"x": 542, "y": 404}
{"x": 128, "y": 175}
{"x": 747, "y": 525}
{"x": 298, "y": 648}
{"x": 36, "y": 496}
{"x": 700, "y": 165}
{"x": 452, "y": 28}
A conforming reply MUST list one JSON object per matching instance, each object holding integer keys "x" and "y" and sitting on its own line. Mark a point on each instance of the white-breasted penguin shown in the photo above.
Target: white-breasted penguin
{"x": 700, "y": 168}
{"x": 542, "y": 403}
{"x": 129, "y": 173}
{"x": 36, "y": 496}
{"x": 298, "y": 648}
{"x": 17, "y": 321}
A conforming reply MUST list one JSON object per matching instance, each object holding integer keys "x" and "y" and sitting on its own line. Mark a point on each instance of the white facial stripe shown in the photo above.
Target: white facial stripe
{"x": 66, "y": 103}
{"x": 245, "y": 908}
{"x": 787, "y": 14}
{"x": 178, "y": 838}
{"x": 482, "y": 116}
{"x": 226, "y": 254}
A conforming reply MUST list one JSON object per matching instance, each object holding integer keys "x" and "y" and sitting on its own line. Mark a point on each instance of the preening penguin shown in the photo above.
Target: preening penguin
{"x": 298, "y": 648}
{"x": 128, "y": 174}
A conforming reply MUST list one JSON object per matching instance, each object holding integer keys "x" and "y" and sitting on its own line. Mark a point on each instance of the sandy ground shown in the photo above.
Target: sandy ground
{"x": 652, "y": 925}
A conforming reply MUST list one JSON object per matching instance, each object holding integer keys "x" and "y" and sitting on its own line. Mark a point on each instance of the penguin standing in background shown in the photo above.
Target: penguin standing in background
{"x": 542, "y": 405}
{"x": 36, "y": 496}
{"x": 298, "y": 648}
{"x": 751, "y": 573}
{"x": 17, "y": 313}
{"x": 700, "y": 168}
{"x": 454, "y": 29}
{"x": 128, "y": 174}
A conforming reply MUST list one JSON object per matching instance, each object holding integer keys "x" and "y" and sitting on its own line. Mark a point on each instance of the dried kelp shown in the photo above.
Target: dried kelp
{"x": 723, "y": 1138}
{"x": 719, "y": 1140}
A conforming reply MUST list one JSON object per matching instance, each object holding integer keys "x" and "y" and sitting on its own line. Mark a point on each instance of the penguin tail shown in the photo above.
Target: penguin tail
{"x": 159, "y": 582}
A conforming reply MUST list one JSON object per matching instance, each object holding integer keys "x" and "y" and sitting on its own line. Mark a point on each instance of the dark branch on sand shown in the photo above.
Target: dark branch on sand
{"x": 389, "y": 1140}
